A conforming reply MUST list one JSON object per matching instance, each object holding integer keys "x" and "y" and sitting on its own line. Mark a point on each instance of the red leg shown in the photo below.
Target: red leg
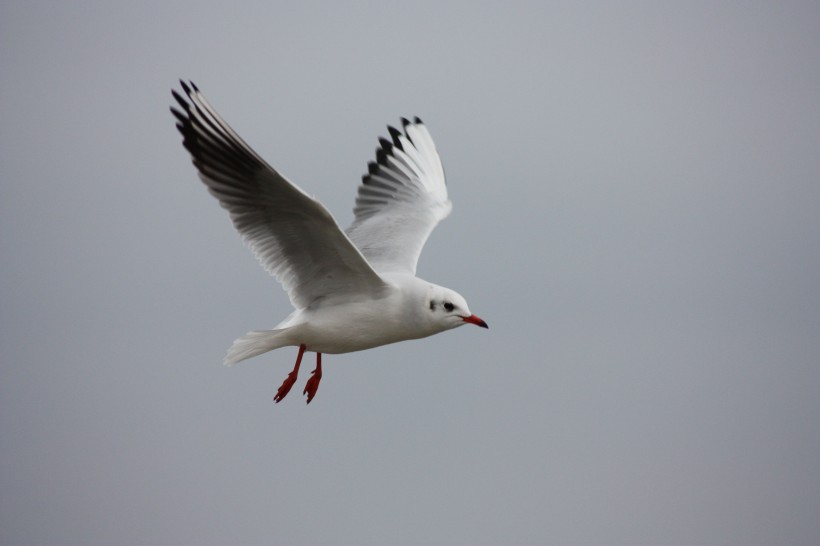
{"x": 313, "y": 383}
{"x": 291, "y": 378}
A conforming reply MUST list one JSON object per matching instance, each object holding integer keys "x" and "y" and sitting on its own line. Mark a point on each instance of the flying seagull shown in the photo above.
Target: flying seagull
{"x": 351, "y": 289}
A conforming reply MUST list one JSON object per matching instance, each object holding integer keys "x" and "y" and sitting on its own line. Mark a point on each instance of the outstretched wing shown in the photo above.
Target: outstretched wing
{"x": 293, "y": 236}
{"x": 401, "y": 199}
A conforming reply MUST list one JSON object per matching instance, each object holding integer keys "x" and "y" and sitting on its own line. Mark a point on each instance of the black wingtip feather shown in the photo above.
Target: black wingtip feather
{"x": 387, "y": 146}
{"x": 182, "y": 118}
{"x": 181, "y": 101}
{"x": 381, "y": 156}
{"x": 185, "y": 87}
{"x": 417, "y": 121}
{"x": 395, "y": 134}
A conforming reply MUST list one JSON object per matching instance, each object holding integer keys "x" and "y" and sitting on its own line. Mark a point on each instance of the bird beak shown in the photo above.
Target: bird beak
{"x": 472, "y": 319}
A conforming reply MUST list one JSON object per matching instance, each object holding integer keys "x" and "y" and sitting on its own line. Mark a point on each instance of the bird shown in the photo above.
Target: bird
{"x": 351, "y": 289}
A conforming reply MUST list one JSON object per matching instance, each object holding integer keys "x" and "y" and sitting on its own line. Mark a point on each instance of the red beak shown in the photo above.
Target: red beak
{"x": 472, "y": 319}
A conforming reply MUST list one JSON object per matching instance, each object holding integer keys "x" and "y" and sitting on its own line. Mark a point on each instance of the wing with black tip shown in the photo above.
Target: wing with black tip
{"x": 293, "y": 236}
{"x": 401, "y": 199}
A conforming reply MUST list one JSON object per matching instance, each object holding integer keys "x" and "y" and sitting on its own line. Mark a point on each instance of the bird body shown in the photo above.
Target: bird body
{"x": 350, "y": 326}
{"x": 352, "y": 290}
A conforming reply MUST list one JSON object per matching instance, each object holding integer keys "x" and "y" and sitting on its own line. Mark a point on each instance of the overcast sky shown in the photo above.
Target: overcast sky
{"x": 636, "y": 190}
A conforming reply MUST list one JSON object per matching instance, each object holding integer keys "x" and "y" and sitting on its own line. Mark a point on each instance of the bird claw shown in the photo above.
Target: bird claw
{"x": 285, "y": 388}
{"x": 313, "y": 384}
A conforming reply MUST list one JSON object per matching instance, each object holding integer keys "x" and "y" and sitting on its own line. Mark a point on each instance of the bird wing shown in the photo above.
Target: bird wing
{"x": 293, "y": 236}
{"x": 401, "y": 199}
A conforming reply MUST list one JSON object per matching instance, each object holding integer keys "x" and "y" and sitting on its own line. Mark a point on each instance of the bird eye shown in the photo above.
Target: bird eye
{"x": 432, "y": 305}
{"x": 449, "y": 306}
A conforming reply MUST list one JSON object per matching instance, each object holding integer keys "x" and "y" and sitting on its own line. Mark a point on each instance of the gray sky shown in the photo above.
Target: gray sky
{"x": 636, "y": 193}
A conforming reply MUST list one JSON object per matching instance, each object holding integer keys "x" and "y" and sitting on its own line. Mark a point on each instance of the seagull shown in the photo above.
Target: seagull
{"x": 351, "y": 289}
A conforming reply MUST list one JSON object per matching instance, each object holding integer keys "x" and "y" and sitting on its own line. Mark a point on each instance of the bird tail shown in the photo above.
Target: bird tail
{"x": 255, "y": 343}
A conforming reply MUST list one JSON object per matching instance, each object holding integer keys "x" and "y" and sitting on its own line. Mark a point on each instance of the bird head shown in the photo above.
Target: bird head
{"x": 447, "y": 309}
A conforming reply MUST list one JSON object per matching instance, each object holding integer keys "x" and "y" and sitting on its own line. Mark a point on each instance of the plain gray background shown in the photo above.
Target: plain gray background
{"x": 636, "y": 191}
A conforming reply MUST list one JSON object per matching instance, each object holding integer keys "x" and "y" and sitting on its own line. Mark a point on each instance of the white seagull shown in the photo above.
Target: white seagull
{"x": 353, "y": 289}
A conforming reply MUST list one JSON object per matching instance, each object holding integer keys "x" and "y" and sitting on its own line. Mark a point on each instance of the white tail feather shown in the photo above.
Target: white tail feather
{"x": 255, "y": 343}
